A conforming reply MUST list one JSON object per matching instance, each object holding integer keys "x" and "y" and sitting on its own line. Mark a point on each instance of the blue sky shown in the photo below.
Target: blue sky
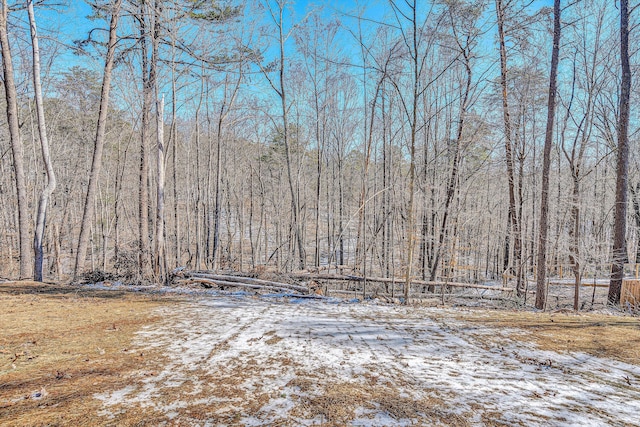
{"x": 71, "y": 22}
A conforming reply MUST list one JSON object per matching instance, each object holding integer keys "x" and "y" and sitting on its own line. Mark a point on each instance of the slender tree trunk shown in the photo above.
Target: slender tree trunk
{"x": 160, "y": 264}
{"x": 56, "y": 248}
{"x": 319, "y": 157}
{"x": 96, "y": 165}
{"x": 620, "y": 215}
{"x": 295, "y": 204}
{"x": 412, "y": 152}
{"x": 453, "y": 177}
{"x": 174, "y": 137}
{"x": 513, "y": 217}
{"x": 574, "y": 246}
{"x": 198, "y": 195}
{"x": 16, "y": 147}
{"x": 360, "y": 257}
{"x": 218, "y": 190}
{"x": 635, "y": 195}
{"x": 148, "y": 83}
{"x": 226, "y": 106}
{"x": 120, "y": 160}
{"x": 340, "y": 211}
{"x": 541, "y": 277}
{"x": 44, "y": 143}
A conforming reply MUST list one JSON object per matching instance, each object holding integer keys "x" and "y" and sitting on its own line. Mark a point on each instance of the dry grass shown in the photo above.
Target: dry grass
{"x": 615, "y": 337}
{"x": 59, "y": 346}
{"x": 335, "y": 403}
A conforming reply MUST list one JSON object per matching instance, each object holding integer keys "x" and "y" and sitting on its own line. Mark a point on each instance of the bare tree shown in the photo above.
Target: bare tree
{"x": 620, "y": 215}
{"x": 229, "y": 96}
{"x": 414, "y": 40}
{"x": 541, "y": 285}
{"x": 160, "y": 263}
{"x": 635, "y": 197}
{"x": 44, "y": 144}
{"x": 277, "y": 15}
{"x": 514, "y": 225}
{"x": 87, "y": 215}
{"x": 16, "y": 145}
{"x": 148, "y": 85}
{"x": 464, "y": 39}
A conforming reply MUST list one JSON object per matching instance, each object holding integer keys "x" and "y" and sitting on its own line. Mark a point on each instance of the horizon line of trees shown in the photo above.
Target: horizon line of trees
{"x": 447, "y": 140}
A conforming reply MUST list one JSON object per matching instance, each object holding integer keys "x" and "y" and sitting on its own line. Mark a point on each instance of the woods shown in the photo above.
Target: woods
{"x": 449, "y": 141}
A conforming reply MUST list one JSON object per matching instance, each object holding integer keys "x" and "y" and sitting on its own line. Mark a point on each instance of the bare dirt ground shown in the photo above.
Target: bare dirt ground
{"x": 82, "y": 356}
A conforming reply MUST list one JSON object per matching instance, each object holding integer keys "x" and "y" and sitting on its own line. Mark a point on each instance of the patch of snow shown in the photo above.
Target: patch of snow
{"x": 420, "y": 352}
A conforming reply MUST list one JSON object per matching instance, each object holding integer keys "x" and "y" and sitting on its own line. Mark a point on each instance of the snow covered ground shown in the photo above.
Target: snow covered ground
{"x": 274, "y": 361}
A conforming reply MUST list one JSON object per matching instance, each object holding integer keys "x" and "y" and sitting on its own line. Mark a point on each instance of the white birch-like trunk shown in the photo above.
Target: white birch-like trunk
{"x": 44, "y": 145}
{"x": 160, "y": 258}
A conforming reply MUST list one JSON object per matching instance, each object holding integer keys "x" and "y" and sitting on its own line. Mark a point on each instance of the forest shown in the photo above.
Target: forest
{"x": 434, "y": 141}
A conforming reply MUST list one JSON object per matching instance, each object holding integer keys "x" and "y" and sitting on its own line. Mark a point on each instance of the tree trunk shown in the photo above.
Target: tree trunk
{"x": 620, "y": 215}
{"x": 160, "y": 261}
{"x": 541, "y": 285}
{"x": 227, "y": 104}
{"x": 174, "y": 139}
{"x": 16, "y": 146}
{"x": 514, "y": 228}
{"x": 148, "y": 83}
{"x": 635, "y": 194}
{"x": 44, "y": 144}
{"x": 453, "y": 177}
{"x": 96, "y": 165}
{"x": 295, "y": 205}
{"x": 574, "y": 234}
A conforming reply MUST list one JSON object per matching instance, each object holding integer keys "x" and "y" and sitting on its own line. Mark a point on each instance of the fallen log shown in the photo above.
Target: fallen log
{"x": 570, "y": 282}
{"x": 243, "y": 279}
{"x": 353, "y": 278}
{"x": 323, "y": 268}
{"x": 213, "y": 282}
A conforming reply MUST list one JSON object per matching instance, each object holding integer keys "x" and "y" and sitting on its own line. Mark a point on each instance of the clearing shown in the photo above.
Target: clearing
{"x": 88, "y": 356}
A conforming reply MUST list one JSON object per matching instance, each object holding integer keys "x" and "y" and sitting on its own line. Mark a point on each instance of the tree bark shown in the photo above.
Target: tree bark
{"x": 541, "y": 286}
{"x": 148, "y": 83}
{"x": 513, "y": 218}
{"x": 635, "y": 195}
{"x": 174, "y": 139}
{"x": 620, "y": 215}
{"x": 16, "y": 146}
{"x": 160, "y": 262}
{"x": 96, "y": 164}
{"x": 44, "y": 144}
